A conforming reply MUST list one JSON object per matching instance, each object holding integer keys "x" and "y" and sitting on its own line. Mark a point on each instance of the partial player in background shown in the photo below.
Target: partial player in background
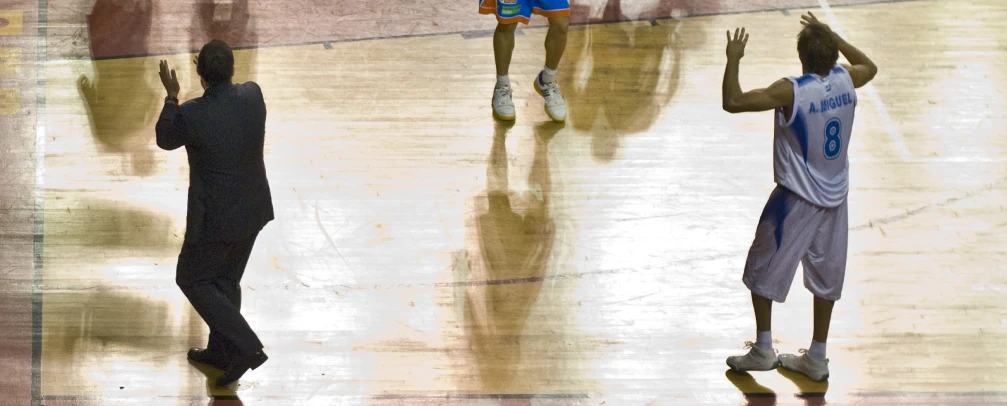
{"x": 509, "y": 13}
{"x": 805, "y": 219}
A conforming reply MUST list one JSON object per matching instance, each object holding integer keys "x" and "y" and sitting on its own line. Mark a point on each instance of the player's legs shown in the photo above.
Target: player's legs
{"x": 558, "y": 13}
{"x": 503, "y": 47}
{"x": 812, "y": 362}
{"x": 546, "y": 84}
{"x": 823, "y": 317}
{"x": 555, "y": 41}
{"x": 761, "y": 356}
{"x": 508, "y": 14}
{"x": 781, "y": 239}
{"x": 763, "y": 313}
{"x": 824, "y": 273}
{"x": 825, "y": 267}
{"x": 503, "y": 50}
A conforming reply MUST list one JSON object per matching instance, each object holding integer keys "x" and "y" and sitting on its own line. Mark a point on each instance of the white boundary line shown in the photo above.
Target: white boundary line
{"x": 872, "y": 94}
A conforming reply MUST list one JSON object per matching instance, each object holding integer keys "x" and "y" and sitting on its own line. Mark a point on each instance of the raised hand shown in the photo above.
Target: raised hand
{"x": 169, "y": 80}
{"x": 810, "y": 19}
{"x": 736, "y": 46}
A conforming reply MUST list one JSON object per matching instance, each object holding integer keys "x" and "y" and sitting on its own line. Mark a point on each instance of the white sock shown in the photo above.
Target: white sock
{"x": 817, "y": 351}
{"x": 548, "y": 75}
{"x": 503, "y": 80}
{"x": 764, "y": 340}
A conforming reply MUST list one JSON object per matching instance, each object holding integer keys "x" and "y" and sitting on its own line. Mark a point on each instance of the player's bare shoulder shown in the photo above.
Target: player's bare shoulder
{"x": 782, "y": 91}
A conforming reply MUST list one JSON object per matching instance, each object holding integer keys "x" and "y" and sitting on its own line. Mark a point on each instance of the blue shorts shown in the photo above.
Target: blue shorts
{"x": 520, "y": 11}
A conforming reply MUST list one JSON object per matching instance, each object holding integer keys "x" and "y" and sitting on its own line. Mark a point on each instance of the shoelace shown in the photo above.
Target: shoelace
{"x": 551, "y": 91}
{"x": 501, "y": 93}
{"x": 749, "y": 345}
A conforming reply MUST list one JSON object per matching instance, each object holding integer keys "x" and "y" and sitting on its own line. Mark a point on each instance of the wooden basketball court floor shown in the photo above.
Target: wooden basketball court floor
{"x": 423, "y": 254}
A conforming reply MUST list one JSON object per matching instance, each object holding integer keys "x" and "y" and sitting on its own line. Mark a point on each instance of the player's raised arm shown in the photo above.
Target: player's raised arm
{"x": 861, "y": 68}
{"x": 779, "y": 94}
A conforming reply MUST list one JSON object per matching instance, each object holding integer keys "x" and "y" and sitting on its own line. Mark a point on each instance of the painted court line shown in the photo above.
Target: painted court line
{"x": 39, "y": 243}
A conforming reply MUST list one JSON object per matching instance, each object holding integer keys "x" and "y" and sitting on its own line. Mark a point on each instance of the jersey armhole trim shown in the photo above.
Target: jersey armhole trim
{"x": 840, "y": 69}
{"x": 853, "y": 86}
{"x": 796, "y": 105}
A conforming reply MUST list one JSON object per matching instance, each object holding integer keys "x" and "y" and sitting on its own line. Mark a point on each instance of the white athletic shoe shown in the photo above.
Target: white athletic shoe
{"x": 816, "y": 370}
{"x": 555, "y": 105}
{"x": 757, "y": 359}
{"x": 503, "y": 105}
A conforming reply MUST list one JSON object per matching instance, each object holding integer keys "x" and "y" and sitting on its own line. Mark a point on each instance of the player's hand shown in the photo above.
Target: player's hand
{"x": 169, "y": 80}
{"x": 736, "y": 46}
{"x": 810, "y": 19}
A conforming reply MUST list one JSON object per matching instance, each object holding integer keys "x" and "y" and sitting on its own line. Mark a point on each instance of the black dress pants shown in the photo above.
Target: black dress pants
{"x": 209, "y": 274}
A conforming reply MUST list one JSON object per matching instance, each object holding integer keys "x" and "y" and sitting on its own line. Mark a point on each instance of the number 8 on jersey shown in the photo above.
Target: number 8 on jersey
{"x": 833, "y": 138}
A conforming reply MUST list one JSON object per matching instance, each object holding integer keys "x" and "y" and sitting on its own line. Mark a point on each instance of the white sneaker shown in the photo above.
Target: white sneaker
{"x": 816, "y": 370}
{"x": 555, "y": 105}
{"x": 757, "y": 359}
{"x": 503, "y": 105}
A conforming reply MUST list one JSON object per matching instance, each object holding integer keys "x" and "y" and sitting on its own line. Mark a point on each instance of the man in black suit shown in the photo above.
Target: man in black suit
{"x": 229, "y": 202}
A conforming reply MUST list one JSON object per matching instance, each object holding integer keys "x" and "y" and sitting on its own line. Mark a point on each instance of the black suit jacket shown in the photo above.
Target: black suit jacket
{"x": 223, "y": 133}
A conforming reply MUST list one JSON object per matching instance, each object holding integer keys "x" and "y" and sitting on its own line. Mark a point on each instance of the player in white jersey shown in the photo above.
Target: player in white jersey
{"x": 805, "y": 220}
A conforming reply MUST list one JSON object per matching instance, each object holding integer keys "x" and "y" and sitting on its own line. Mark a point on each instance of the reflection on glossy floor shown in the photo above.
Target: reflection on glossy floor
{"x": 424, "y": 254}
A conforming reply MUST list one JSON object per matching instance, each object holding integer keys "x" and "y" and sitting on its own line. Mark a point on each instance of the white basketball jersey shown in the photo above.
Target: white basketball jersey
{"x": 809, "y": 150}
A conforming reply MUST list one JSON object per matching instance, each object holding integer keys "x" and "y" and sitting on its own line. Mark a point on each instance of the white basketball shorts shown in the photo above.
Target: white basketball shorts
{"x": 791, "y": 230}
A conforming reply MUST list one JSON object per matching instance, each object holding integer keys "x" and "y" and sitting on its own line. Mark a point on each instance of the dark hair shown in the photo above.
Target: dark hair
{"x": 817, "y": 48}
{"x": 215, "y": 63}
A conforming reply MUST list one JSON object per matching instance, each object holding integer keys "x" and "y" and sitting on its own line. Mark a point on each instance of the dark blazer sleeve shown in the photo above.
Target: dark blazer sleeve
{"x": 170, "y": 127}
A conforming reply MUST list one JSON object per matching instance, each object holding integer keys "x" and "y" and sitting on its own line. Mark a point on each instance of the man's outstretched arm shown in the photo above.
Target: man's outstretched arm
{"x": 170, "y": 128}
{"x": 779, "y": 94}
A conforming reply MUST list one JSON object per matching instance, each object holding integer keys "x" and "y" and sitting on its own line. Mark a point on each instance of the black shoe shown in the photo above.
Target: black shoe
{"x": 206, "y": 357}
{"x": 241, "y": 366}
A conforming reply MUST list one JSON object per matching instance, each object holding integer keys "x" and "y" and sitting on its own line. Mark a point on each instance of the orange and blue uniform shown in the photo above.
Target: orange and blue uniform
{"x": 520, "y": 11}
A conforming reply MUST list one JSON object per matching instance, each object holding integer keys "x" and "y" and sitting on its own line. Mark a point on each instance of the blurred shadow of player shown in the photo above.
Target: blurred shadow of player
{"x": 233, "y": 25}
{"x": 513, "y": 252}
{"x": 99, "y": 321}
{"x": 625, "y": 74}
{"x": 120, "y": 102}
